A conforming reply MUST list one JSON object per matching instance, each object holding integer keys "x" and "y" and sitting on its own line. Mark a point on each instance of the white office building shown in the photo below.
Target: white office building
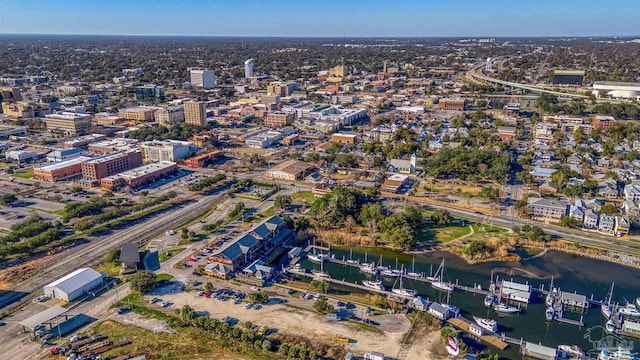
{"x": 201, "y": 77}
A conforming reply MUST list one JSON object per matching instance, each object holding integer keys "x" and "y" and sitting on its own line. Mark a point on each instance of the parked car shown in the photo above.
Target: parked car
{"x": 200, "y": 293}
{"x": 165, "y": 303}
{"x": 42, "y": 298}
{"x": 123, "y": 311}
{"x": 248, "y": 306}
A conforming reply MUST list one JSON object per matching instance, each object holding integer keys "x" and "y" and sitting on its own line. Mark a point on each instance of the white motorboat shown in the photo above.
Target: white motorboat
{"x": 489, "y": 300}
{"x": 374, "y": 284}
{"x": 621, "y": 353}
{"x": 638, "y": 302}
{"x": 317, "y": 258}
{"x": 629, "y": 311}
{"x": 350, "y": 259}
{"x": 610, "y": 326}
{"x": 437, "y": 282}
{"x": 571, "y": 351}
{"x": 487, "y": 324}
{"x": 550, "y": 299}
{"x": 550, "y": 313}
{"x": 506, "y": 309}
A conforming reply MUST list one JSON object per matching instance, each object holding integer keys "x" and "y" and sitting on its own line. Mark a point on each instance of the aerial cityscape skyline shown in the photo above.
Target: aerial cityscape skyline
{"x": 322, "y": 19}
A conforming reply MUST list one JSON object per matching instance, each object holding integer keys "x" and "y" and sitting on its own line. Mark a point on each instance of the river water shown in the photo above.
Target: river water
{"x": 570, "y": 273}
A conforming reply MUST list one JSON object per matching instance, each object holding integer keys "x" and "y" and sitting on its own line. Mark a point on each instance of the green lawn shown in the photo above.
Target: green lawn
{"x": 24, "y": 173}
{"x": 161, "y": 277}
{"x": 169, "y": 254}
{"x": 303, "y": 197}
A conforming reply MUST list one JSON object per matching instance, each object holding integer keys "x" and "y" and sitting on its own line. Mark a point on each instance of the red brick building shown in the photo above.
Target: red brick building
{"x": 111, "y": 164}
{"x": 278, "y": 119}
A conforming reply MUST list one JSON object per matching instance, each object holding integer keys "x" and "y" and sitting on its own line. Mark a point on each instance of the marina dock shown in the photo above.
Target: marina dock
{"x": 463, "y": 324}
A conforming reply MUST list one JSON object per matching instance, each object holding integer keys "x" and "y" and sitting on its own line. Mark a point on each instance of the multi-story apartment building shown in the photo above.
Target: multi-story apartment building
{"x": 278, "y": 119}
{"x": 149, "y": 92}
{"x": 169, "y": 116}
{"x": 107, "y": 119}
{"x": 138, "y": 176}
{"x": 110, "y": 164}
{"x": 201, "y": 77}
{"x": 195, "y": 113}
{"x": 451, "y": 104}
{"x": 68, "y": 124}
{"x": 546, "y": 208}
{"x": 166, "y": 150}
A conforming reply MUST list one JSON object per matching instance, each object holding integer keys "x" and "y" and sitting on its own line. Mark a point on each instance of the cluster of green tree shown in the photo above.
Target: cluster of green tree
{"x": 619, "y": 111}
{"x": 237, "y": 211}
{"x": 28, "y": 235}
{"x": 474, "y": 247}
{"x": 319, "y": 286}
{"x": 283, "y": 202}
{"x": 442, "y": 217}
{"x": 215, "y": 226}
{"x": 97, "y": 206}
{"x": 323, "y": 306}
{"x": 401, "y": 229}
{"x": 259, "y": 297}
{"x": 179, "y": 131}
{"x": 143, "y": 281}
{"x": 468, "y": 164}
{"x": 531, "y": 233}
{"x": 489, "y": 192}
{"x": 207, "y": 183}
{"x": 8, "y": 199}
{"x": 332, "y": 209}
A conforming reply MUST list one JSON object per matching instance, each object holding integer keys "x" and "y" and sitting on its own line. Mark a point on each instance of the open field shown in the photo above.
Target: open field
{"x": 303, "y": 197}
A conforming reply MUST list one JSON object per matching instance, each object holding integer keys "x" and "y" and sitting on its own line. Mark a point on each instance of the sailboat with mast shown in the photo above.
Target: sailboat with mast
{"x": 403, "y": 291}
{"x": 437, "y": 279}
{"x": 320, "y": 273}
{"x": 350, "y": 259}
{"x": 413, "y": 269}
{"x": 386, "y": 271}
{"x": 605, "y": 308}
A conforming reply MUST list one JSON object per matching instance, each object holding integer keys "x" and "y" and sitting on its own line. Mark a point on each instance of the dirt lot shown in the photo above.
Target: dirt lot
{"x": 295, "y": 317}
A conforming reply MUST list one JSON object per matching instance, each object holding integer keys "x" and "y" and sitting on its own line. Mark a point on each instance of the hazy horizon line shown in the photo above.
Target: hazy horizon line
{"x": 336, "y": 36}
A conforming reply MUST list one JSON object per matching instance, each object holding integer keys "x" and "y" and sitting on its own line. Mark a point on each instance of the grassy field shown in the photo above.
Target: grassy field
{"x": 303, "y": 197}
{"x": 110, "y": 269}
{"x": 167, "y": 277}
{"x": 169, "y": 254}
{"x": 26, "y": 173}
{"x": 185, "y": 344}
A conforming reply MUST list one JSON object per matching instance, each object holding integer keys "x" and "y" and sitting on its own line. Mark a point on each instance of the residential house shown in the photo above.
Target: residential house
{"x": 420, "y": 304}
{"x": 577, "y": 213}
{"x": 547, "y": 187}
{"x": 546, "y": 208}
{"x": 540, "y": 173}
{"x": 218, "y": 270}
{"x": 590, "y": 220}
{"x": 606, "y": 223}
{"x": 631, "y": 209}
{"x": 608, "y": 191}
{"x": 129, "y": 257}
{"x": 435, "y": 144}
{"x": 403, "y": 165}
{"x": 622, "y": 226}
{"x": 574, "y": 159}
{"x": 632, "y": 192}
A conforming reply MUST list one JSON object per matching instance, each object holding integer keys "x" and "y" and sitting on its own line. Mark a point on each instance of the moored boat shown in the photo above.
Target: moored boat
{"x": 638, "y": 302}
{"x": 374, "y": 284}
{"x": 621, "y": 353}
{"x": 317, "y": 258}
{"x": 550, "y": 313}
{"x": 629, "y": 311}
{"x": 320, "y": 273}
{"x": 487, "y": 324}
{"x": 605, "y": 309}
{"x": 489, "y": 300}
{"x": 390, "y": 273}
{"x": 401, "y": 290}
{"x": 506, "y": 309}
{"x": 571, "y": 351}
{"x": 368, "y": 268}
{"x": 610, "y": 326}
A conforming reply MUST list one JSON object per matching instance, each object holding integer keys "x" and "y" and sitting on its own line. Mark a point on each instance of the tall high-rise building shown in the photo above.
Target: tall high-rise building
{"x": 202, "y": 77}
{"x": 248, "y": 68}
{"x": 195, "y": 113}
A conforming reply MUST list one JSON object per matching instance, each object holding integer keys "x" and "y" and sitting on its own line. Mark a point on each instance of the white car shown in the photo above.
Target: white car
{"x": 200, "y": 293}
{"x": 255, "y": 288}
{"x": 248, "y": 306}
{"x": 42, "y": 298}
{"x": 165, "y": 303}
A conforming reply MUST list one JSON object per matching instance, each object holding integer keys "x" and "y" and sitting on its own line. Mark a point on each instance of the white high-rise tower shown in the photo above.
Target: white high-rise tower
{"x": 248, "y": 68}
{"x": 489, "y": 65}
{"x": 202, "y": 77}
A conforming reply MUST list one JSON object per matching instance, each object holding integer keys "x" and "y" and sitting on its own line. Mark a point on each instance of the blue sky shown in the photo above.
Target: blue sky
{"x": 350, "y": 18}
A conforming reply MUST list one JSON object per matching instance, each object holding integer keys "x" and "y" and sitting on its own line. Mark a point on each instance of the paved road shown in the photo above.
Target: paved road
{"x": 91, "y": 252}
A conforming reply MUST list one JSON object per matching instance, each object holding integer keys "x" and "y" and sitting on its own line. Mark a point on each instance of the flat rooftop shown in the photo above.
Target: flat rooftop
{"x": 142, "y": 170}
{"x": 63, "y": 164}
{"x": 108, "y": 157}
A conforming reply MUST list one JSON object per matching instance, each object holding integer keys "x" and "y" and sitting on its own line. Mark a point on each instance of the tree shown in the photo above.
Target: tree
{"x": 112, "y": 256}
{"x": 403, "y": 238}
{"x": 568, "y": 221}
{"x": 442, "y": 217}
{"x": 259, "y": 297}
{"x": 609, "y": 209}
{"x": 143, "y": 281}
{"x": 208, "y": 287}
{"x": 283, "y": 202}
{"x": 573, "y": 190}
{"x": 319, "y": 286}
{"x": 8, "y": 199}
{"x": 349, "y": 223}
{"x": 187, "y": 313}
{"x": 323, "y": 306}
{"x": 489, "y": 192}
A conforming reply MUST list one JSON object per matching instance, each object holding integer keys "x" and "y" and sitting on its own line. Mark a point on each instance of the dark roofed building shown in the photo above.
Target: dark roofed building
{"x": 129, "y": 256}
